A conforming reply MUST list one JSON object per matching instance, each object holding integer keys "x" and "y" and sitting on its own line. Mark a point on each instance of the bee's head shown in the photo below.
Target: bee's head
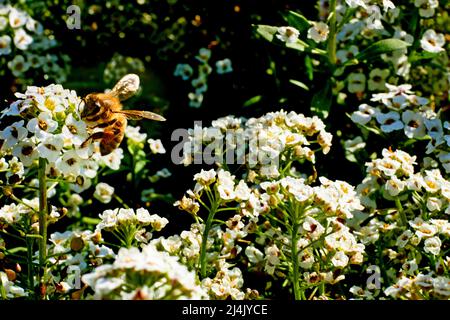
{"x": 91, "y": 105}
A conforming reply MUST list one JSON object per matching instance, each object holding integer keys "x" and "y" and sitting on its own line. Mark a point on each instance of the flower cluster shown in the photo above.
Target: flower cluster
{"x": 267, "y": 145}
{"x": 74, "y": 253}
{"x": 369, "y": 25}
{"x": 25, "y": 47}
{"x": 400, "y": 110}
{"x": 406, "y": 223}
{"x": 120, "y": 65}
{"x": 143, "y": 275}
{"x": 49, "y": 128}
{"x": 200, "y": 84}
{"x": 128, "y": 225}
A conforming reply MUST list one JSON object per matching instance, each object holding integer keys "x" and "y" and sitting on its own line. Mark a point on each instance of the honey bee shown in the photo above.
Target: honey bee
{"x": 104, "y": 111}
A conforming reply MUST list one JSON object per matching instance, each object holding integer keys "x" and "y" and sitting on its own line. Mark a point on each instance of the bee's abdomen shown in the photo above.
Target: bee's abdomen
{"x": 113, "y": 136}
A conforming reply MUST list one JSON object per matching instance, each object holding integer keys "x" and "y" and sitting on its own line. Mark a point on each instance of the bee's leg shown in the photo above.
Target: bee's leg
{"x": 93, "y": 137}
{"x": 106, "y": 124}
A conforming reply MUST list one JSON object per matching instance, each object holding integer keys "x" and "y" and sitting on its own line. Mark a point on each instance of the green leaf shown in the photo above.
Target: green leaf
{"x": 269, "y": 32}
{"x": 351, "y": 157}
{"x": 380, "y": 47}
{"x": 322, "y": 100}
{"x": 297, "y": 21}
{"x": 299, "y": 84}
{"x": 309, "y": 67}
{"x": 252, "y": 101}
{"x": 423, "y": 55}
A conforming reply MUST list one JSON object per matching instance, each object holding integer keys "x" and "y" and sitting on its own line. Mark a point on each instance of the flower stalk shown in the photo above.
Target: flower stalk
{"x": 294, "y": 256}
{"x": 43, "y": 212}
{"x": 333, "y": 31}
{"x": 203, "y": 247}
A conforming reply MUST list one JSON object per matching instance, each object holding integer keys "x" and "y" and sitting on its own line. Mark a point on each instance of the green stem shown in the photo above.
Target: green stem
{"x": 43, "y": 211}
{"x": 203, "y": 248}
{"x": 333, "y": 31}
{"x": 294, "y": 256}
{"x": 30, "y": 264}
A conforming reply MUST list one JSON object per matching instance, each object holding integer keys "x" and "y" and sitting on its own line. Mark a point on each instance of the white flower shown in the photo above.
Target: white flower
{"x": 389, "y": 121}
{"x": 205, "y": 178}
{"x": 242, "y": 191}
{"x": 253, "y": 254}
{"x": 17, "y": 18}
{"x": 42, "y": 125}
{"x": 224, "y": 66}
{"x": 305, "y": 259}
{"x": 143, "y": 216}
{"x": 183, "y": 70}
{"x": 318, "y": 32}
{"x": 403, "y": 239}
{"x": 113, "y": 159}
{"x": 441, "y": 285}
{"x": 356, "y": 3}
{"x": 195, "y": 100}
{"x": 5, "y": 45}
{"x": 288, "y": 34}
{"x": 156, "y": 146}
{"x": 426, "y": 7}
{"x": 109, "y": 219}
{"x": 313, "y": 228}
{"x": 432, "y": 41}
{"x": 26, "y": 151}
{"x": 347, "y": 54}
{"x": 134, "y": 136}
{"x": 103, "y": 192}
{"x": 340, "y": 260}
{"x": 356, "y": 82}
{"x": 355, "y": 144}
{"x": 414, "y": 124}
{"x": 394, "y": 186}
{"x": 157, "y": 222}
{"x": 70, "y": 163}
{"x": 373, "y": 21}
{"x": 18, "y": 65}
{"x": 377, "y": 79}
{"x": 432, "y": 245}
{"x": 126, "y": 215}
{"x": 74, "y": 131}
{"x": 434, "y": 204}
{"x": 22, "y": 39}
{"x": 364, "y": 114}
{"x": 204, "y": 55}
{"x": 13, "y": 134}
{"x": 50, "y": 147}
{"x": 3, "y": 23}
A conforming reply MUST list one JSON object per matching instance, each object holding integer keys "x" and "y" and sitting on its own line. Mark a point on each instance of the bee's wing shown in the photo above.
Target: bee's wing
{"x": 126, "y": 87}
{"x": 139, "y": 115}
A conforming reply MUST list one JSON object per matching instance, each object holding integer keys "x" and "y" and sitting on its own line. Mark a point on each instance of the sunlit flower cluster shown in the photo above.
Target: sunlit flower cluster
{"x": 368, "y": 25}
{"x": 400, "y": 110}
{"x": 146, "y": 274}
{"x": 406, "y": 223}
{"x": 128, "y": 224}
{"x": 266, "y": 144}
{"x": 45, "y": 123}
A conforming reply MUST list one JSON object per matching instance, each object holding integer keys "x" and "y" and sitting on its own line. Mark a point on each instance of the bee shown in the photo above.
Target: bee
{"x": 104, "y": 111}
